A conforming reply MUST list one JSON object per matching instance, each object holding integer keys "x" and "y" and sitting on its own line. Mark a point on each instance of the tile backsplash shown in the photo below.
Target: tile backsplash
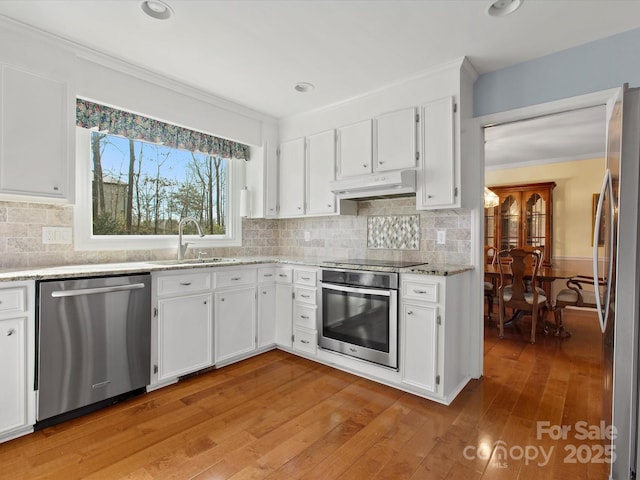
{"x": 332, "y": 237}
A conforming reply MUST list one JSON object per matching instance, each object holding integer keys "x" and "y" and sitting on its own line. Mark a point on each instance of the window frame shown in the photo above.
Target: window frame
{"x": 84, "y": 239}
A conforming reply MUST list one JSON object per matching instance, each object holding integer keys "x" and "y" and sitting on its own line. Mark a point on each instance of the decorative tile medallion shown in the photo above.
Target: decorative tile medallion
{"x": 400, "y": 232}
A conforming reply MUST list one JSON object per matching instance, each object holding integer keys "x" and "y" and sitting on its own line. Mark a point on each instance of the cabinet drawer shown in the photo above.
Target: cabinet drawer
{"x": 305, "y": 277}
{"x": 234, "y": 277}
{"x": 305, "y": 340}
{"x": 284, "y": 275}
{"x": 304, "y": 316}
{"x": 186, "y": 283}
{"x": 266, "y": 274}
{"x": 425, "y": 291}
{"x": 305, "y": 295}
{"x": 12, "y": 300}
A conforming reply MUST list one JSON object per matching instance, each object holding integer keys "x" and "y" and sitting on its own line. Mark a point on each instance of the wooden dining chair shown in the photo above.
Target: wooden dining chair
{"x": 489, "y": 285}
{"x": 517, "y": 295}
{"x": 580, "y": 292}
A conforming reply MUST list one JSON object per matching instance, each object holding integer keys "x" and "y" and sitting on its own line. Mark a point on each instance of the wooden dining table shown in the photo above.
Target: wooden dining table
{"x": 545, "y": 277}
{"x": 545, "y": 274}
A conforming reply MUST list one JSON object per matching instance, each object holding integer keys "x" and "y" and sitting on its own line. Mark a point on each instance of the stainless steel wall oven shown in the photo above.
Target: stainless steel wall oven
{"x": 359, "y": 315}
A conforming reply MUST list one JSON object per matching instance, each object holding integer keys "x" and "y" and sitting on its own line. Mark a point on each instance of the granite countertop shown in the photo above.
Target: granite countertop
{"x": 89, "y": 270}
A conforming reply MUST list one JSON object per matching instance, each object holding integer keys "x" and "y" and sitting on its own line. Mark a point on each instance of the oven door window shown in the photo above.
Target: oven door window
{"x": 356, "y": 317}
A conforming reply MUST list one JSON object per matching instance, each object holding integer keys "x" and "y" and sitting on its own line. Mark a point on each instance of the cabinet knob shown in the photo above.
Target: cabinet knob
{"x": 380, "y": 162}
{"x": 329, "y": 205}
{"x": 410, "y": 312}
{"x": 364, "y": 165}
{"x": 205, "y": 302}
{"x": 10, "y": 332}
{"x": 299, "y": 208}
{"x": 429, "y": 196}
{"x": 222, "y": 299}
{"x": 56, "y": 189}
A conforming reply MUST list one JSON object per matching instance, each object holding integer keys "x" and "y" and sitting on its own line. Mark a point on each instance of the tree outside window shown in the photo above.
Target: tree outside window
{"x": 142, "y": 188}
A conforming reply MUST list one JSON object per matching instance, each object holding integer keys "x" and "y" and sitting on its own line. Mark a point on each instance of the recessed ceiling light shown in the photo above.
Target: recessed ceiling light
{"x": 502, "y": 8}
{"x": 156, "y": 9}
{"x": 304, "y": 87}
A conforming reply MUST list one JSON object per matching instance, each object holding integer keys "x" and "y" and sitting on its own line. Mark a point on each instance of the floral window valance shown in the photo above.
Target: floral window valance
{"x": 137, "y": 127}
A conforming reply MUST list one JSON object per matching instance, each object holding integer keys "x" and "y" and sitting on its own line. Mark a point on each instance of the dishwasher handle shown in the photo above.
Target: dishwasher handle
{"x": 91, "y": 291}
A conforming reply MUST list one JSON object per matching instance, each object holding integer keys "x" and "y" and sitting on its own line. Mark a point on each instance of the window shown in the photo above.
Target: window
{"x": 132, "y": 192}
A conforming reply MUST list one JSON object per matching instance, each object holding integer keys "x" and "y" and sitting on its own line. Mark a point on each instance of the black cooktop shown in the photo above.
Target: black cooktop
{"x": 377, "y": 263}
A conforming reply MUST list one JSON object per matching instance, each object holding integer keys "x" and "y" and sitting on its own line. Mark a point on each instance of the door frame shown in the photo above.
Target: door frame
{"x": 476, "y": 133}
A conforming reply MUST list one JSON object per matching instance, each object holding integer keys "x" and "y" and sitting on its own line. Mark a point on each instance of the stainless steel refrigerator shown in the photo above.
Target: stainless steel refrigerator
{"x": 616, "y": 260}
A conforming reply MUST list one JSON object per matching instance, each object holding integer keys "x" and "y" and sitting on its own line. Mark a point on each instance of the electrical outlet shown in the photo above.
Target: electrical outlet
{"x": 307, "y": 236}
{"x": 442, "y": 237}
{"x": 56, "y": 235}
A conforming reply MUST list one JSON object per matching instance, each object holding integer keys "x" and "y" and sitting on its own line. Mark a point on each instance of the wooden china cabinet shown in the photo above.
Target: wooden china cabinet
{"x": 524, "y": 217}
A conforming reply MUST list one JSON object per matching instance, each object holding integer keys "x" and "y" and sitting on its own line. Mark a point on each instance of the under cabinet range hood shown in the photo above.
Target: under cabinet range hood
{"x": 398, "y": 182}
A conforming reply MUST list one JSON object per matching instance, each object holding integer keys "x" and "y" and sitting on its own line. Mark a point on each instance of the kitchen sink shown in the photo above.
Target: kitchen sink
{"x": 194, "y": 261}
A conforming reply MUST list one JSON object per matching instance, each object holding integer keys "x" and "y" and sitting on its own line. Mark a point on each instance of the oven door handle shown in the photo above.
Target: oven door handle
{"x": 365, "y": 291}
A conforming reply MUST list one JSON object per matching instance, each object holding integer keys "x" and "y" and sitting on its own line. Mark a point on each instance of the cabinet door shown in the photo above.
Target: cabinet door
{"x": 420, "y": 346}
{"x": 291, "y": 174}
{"x": 396, "y": 140}
{"x": 321, "y": 167}
{"x": 13, "y": 374}
{"x": 436, "y": 177}
{"x": 284, "y": 314}
{"x": 355, "y": 149}
{"x": 184, "y": 335}
{"x": 34, "y": 136}
{"x": 266, "y": 315}
{"x": 235, "y": 323}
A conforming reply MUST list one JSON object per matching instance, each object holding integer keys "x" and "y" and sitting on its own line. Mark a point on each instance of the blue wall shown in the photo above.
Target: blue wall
{"x": 592, "y": 67}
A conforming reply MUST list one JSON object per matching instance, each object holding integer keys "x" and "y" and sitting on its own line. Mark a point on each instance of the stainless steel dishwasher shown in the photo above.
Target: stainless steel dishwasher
{"x": 94, "y": 341}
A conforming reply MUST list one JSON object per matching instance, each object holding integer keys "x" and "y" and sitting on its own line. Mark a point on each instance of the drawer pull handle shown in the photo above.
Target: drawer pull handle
{"x": 410, "y": 312}
{"x": 10, "y": 332}
{"x": 305, "y": 278}
{"x": 305, "y": 296}
{"x": 268, "y": 275}
{"x": 304, "y": 341}
{"x": 235, "y": 278}
{"x": 304, "y": 317}
{"x": 421, "y": 292}
{"x": 283, "y": 275}
{"x": 185, "y": 284}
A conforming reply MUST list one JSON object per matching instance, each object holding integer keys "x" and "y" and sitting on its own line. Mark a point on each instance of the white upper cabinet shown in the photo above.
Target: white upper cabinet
{"x": 291, "y": 178}
{"x": 355, "y": 149}
{"x": 436, "y": 186}
{"x": 321, "y": 166}
{"x": 34, "y": 134}
{"x": 395, "y": 140}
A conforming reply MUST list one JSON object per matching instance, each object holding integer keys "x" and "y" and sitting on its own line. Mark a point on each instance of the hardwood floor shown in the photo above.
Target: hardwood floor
{"x": 278, "y": 416}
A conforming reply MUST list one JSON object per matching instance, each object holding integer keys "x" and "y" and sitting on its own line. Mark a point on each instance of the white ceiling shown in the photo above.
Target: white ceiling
{"x": 253, "y": 52}
{"x": 575, "y": 135}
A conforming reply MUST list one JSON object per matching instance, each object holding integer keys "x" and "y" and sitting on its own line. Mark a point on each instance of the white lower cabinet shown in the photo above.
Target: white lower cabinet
{"x": 17, "y": 355}
{"x": 266, "y": 315}
{"x": 182, "y": 327}
{"x": 284, "y": 307}
{"x": 184, "y": 335}
{"x": 235, "y": 323}
{"x": 419, "y": 334}
{"x": 434, "y": 340}
{"x": 305, "y": 337}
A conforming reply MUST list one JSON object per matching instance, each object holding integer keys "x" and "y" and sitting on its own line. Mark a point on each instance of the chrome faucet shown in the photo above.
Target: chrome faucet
{"x": 182, "y": 247}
